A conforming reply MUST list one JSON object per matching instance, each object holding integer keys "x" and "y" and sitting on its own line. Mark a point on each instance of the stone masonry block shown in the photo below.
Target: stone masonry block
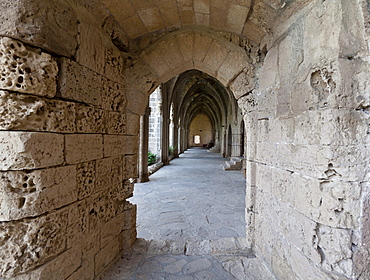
{"x": 58, "y": 268}
{"x": 30, "y": 194}
{"x": 115, "y": 145}
{"x": 116, "y": 123}
{"x": 232, "y": 66}
{"x": 185, "y": 43}
{"x": 216, "y": 55}
{"x": 131, "y": 166}
{"x": 55, "y": 31}
{"x": 90, "y": 119}
{"x": 106, "y": 255}
{"x": 113, "y": 96}
{"x": 114, "y": 65}
{"x": 26, "y": 70}
{"x": 29, "y": 150}
{"x": 111, "y": 229}
{"x": 156, "y": 61}
{"x": 133, "y": 124}
{"x": 29, "y": 243}
{"x": 91, "y": 51}
{"x": 202, "y": 44}
{"x": 86, "y": 178}
{"x": 79, "y": 83}
{"x": 25, "y": 112}
{"x": 108, "y": 173}
{"x": 172, "y": 53}
{"x": 83, "y": 147}
{"x": 133, "y": 144}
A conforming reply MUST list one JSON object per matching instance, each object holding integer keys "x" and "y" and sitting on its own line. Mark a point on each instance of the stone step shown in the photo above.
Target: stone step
{"x": 235, "y": 163}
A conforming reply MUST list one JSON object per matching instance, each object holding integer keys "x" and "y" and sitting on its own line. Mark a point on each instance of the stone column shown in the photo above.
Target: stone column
{"x": 165, "y": 126}
{"x": 143, "y": 152}
{"x": 175, "y": 142}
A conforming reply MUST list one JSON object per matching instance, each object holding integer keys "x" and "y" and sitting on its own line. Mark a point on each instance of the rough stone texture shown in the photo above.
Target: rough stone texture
{"x": 27, "y": 70}
{"x": 79, "y": 83}
{"x": 90, "y": 119}
{"x": 30, "y": 194}
{"x": 56, "y": 30}
{"x": 299, "y": 70}
{"x": 29, "y": 243}
{"x": 29, "y": 150}
{"x": 25, "y": 112}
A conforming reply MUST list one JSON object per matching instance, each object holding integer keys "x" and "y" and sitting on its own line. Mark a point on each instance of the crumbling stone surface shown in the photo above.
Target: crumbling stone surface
{"x": 27, "y": 70}
{"x": 25, "y": 112}
{"x": 33, "y": 193}
{"x": 90, "y": 119}
{"x": 76, "y": 82}
{"x": 114, "y": 96}
{"x": 56, "y": 30}
{"x": 29, "y": 243}
{"x": 86, "y": 179}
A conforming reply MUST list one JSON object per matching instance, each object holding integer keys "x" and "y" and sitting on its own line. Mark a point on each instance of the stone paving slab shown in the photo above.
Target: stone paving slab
{"x": 191, "y": 224}
{"x": 193, "y": 197}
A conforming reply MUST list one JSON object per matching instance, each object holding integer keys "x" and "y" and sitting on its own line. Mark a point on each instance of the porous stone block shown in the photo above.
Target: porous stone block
{"x": 27, "y": 70}
{"x": 86, "y": 178}
{"x": 113, "y": 96}
{"x": 55, "y": 31}
{"x": 83, "y": 147}
{"x": 114, "y": 65}
{"x": 25, "y": 112}
{"x": 115, "y": 145}
{"x": 79, "y": 83}
{"x": 108, "y": 173}
{"x": 90, "y": 119}
{"x": 29, "y": 243}
{"x": 116, "y": 123}
{"x": 30, "y": 150}
{"x": 30, "y": 194}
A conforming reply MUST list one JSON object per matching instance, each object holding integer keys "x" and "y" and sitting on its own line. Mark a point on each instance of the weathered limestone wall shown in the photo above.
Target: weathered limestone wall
{"x": 307, "y": 146}
{"x": 200, "y": 125}
{"x": 69, "y": 144}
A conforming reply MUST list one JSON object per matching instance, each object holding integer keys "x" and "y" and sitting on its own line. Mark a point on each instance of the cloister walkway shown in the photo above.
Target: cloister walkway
{"x": 190, "y": 223}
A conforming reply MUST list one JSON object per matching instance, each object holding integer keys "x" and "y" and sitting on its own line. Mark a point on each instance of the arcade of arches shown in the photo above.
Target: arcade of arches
{"x": 282, "y": 83}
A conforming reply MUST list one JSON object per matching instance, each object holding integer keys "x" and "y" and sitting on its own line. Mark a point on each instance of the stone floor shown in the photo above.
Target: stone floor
{"x": 190, "y": 224}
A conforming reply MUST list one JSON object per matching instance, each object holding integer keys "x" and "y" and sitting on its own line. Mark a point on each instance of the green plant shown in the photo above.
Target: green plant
{"x": 152, "y": 158}
{"x": 171, "y": 149}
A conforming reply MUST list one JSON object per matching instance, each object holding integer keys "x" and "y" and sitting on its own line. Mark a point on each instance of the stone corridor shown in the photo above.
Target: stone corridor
{"x": 190, "y": 223}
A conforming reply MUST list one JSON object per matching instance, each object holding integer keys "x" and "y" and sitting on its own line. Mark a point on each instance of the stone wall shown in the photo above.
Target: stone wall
{"x": 67, "y": 154}
{"x": 155, "y": 120}
{"x": 307, "y": 146}
{"x": 200, "y": 125}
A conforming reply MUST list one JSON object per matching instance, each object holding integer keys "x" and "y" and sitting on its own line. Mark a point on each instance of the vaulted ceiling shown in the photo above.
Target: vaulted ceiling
{"x": 250, "y": 19}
